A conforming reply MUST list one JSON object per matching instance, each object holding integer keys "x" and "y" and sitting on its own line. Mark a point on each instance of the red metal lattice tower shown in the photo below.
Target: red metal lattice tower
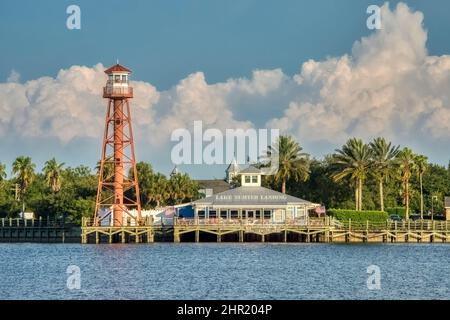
{"x": 117, "y": 174}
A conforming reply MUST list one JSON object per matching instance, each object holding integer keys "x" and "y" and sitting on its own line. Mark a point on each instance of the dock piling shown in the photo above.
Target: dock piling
{"x": 197, "y": 235}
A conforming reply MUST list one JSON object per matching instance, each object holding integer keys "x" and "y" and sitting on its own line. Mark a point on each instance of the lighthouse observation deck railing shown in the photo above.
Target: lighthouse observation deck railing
{"x": 111, "y": 92}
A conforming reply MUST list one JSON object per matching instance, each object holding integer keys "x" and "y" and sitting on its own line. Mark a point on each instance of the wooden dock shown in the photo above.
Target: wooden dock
{"x": 315, "y": 230}
{"x": 144, "y": 232}
{"x": 37, "y": 230}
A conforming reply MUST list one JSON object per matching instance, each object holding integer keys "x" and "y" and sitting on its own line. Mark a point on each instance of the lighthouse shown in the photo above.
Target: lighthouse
{"x": 118, "y": 188}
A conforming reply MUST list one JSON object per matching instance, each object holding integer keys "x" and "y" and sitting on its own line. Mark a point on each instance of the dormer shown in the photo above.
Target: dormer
{"x": 250, "y": 177}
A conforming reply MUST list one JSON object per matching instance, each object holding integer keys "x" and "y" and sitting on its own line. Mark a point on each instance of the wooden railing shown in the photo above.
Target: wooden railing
{"x": 249, "y": 222}
{"x": 324, "y": 222}
{"x": 41, "y": 222}
{"x": 396, "y": 225}
{"x": 310, "y": 222}
{"x": 90, "y": 222}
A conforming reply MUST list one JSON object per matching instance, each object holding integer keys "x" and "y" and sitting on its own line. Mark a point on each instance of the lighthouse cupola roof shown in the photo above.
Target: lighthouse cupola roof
{"x": 117, "y": 68}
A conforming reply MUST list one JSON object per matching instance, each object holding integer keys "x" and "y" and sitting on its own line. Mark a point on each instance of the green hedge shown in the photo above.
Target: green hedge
{"x": 401, "y": 211}
{"x": 358, "y": 216}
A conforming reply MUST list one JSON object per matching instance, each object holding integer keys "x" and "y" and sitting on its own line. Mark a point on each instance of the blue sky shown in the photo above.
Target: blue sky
{"x": 166, "y": 42}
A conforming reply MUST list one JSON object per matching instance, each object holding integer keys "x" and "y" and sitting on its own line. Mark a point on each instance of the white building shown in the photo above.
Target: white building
{"x": 253, "y": 202}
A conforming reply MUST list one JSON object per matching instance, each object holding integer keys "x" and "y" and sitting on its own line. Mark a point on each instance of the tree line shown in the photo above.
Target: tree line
{"x": 359, "y": 175}
{"x": 59, "y": 191}
{"x": 365, "y": 176}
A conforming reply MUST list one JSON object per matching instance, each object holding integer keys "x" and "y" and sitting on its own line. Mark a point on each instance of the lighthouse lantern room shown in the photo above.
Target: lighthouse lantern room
{"x": 117, "y": 83}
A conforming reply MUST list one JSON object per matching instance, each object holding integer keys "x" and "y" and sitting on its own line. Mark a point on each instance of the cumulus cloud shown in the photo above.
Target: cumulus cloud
{"x": 387, "y": 85}
{"x": 70, "y": 105}
{"x": 66, "y": 107}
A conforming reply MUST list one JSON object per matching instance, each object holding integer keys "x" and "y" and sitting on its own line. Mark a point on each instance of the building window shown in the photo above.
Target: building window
{"x": 234, "y": 214}
{"x": 201, "y": 214}
{"x": 267, "y": 214}
{"x": 117, "y": 78}
{"x": 223, "y": 214}
{"x": 254, "y": 179}
{"x": 247, "y": 179}
{"x": 212, "y": 214}
{"x": 289, "y": 213}
{"x": 124, "y": 78}
{"x": 257, "y": 214}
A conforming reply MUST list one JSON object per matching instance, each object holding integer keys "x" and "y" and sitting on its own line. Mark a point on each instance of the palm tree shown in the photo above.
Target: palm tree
{"x": 353, "y": 162}
{"x": 158, "y": 190}
{"x": 421, "y": 165}
{"x": 293, "y": 163}
{"x": 2, "y": 172}
{"x": 406, "y": 165}
{"x": 52, "y": 172}
{"x": 176, "y": 187}
{"x": 23, "y": 170}
{"x": 181, "y": 188}
{"x": 383, "y": 154}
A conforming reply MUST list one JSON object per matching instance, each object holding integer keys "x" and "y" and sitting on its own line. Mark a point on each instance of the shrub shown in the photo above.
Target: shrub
{"x": 401, "y": 211}
{"x": 358, "y": 216}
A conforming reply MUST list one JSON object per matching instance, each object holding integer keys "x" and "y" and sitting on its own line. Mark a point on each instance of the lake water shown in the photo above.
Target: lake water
{"x": 225, "y": 271}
